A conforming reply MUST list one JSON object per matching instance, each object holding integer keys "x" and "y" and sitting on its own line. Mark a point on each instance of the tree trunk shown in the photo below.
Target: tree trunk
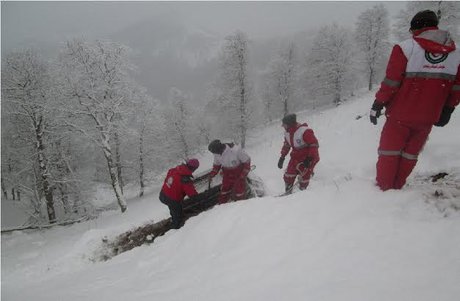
{"x": 5, "y": 194}
{"x": 43, "y": 167}
{"x": 243, "y": 119}
{"x": 371, "y": 78}
{"x": 180, "y": 127}
{"x": 268, "y": 109}
{"x": 337, "y": 92}
{"x": 242, "y": 102}
{"x": 184, "y": 142}
{"x": 141, "y": 162}
{"x": 286, "y": 106}
{"x": 118, "y": 160}
{"x": 64, "y": 198}
{"x": 288, "y": 79}
{"x": 113, "y": 172}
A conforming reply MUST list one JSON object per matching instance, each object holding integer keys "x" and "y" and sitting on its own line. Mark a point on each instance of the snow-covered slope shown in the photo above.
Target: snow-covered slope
{"x": 342, "y": 239}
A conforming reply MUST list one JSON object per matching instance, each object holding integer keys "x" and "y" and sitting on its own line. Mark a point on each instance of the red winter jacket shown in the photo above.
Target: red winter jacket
{"x": 422, "y": 76}
{"x": 303, "y": 142}
{"x": 178, "y": 183}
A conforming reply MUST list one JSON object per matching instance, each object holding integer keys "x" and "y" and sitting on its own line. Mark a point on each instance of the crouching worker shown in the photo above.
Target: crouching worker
{"x": 178, "y": 183}
{"x": 304, "y": 155}
{"x": 235, "y": 164}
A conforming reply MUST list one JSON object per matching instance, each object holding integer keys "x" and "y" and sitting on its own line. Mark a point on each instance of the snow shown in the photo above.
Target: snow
{"x": 342, "y": 239}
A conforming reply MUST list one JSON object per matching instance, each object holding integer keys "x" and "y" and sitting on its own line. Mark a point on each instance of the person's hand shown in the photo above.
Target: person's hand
{"x": 375, "y": 112}
{"x": 445, "y": 116}
{"x": 280, "y": 162}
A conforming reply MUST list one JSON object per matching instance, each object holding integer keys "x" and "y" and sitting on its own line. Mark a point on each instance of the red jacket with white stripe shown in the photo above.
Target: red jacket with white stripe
{"x": 178, "y": 183}
{"x": 303, "y": 142}
{"x": 422, "y": 76}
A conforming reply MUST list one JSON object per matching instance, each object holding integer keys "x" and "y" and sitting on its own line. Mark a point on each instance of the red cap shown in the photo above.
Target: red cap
{"x": 193, "y": 164}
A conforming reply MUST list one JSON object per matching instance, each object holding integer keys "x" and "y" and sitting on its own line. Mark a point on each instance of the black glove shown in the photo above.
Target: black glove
{"x": 280, "y": 162}
{"x": 307, "y": 162}
{"x": 445, "y": 116}
{"x": 375, "y": 112}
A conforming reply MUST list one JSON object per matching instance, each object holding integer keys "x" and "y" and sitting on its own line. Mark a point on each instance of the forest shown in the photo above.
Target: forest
{"x": 84, "y": 118}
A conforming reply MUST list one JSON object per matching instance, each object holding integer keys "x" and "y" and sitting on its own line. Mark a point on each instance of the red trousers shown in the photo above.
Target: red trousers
{"x": 296, "y": 168}
{"x": 400, "y": 145}
{"x": 233, "y": 185}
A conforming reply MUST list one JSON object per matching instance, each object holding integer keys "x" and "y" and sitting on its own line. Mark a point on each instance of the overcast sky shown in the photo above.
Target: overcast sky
{"x": 25, "y": 23}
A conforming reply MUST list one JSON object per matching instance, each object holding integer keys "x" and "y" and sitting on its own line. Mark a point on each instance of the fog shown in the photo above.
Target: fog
{"x": 184, "y": 37}
{"x": 25, "y": 22}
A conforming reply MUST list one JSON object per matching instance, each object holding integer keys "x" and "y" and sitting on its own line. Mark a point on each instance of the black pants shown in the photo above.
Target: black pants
{"x": 175, "y": 209}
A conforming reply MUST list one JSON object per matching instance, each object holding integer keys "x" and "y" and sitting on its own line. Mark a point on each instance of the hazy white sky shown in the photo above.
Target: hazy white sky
{"x": 55, "y": 21}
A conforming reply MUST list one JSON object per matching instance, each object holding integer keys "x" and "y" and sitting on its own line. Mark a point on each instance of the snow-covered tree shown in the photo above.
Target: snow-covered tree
{"x": 70, "y": 184}
{"x": 26, "y": 88}
{"x": 330, "y": 63}
{"x": 150, "y": 137}
{"x": 233, "y": 89}
{"x": 270, "y": 104}
{"x": 371, "y": 34}
{"x": 448, "y": 13}
{"x": 180, "y": 124}
{"x": 279, "y": 82}
{"x": 99, "y": 88}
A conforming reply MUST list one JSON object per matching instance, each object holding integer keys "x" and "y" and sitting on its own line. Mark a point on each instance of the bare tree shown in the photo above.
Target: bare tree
{"x": 98, "y": 83}
{"x": 371, "y": 34}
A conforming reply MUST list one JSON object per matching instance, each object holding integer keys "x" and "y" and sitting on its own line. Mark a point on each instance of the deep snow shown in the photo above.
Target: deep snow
{"x": 342, "y": 239}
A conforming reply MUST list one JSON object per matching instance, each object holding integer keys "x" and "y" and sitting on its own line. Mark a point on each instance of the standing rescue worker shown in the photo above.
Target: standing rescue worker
{"x": 304, "y": 155}
{"x": 235, "y": 164}
{"x": 177, "y": 184}
{"x": 421, "y": 89}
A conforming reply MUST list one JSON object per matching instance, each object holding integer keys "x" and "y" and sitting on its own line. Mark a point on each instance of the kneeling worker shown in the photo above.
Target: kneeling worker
{"x": 177, "y": 184}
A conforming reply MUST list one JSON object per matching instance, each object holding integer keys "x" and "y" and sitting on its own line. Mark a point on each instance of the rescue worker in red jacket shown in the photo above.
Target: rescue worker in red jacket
{"x": 178, "y": 183}
{"x": 304, "y": 155}
{"x": 235, "y": 164}
{"x": 421, "y": 89}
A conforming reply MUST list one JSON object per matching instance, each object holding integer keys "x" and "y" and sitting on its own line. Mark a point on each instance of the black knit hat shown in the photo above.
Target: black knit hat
{"x": 290, "y": 119}
{"x": 422, "y": 19}
{"x": 216, "y": 147}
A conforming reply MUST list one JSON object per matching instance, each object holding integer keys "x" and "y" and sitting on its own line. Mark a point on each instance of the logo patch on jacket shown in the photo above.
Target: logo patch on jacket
{"x": 435, "y": 58}
{"x": 169, "y": 182}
